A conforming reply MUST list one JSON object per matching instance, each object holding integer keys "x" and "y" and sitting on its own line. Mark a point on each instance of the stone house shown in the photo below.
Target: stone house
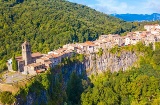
{"x": 34, "y": 68}
{"x": 82, "y": 47}
{"x": 57, "y": 55}
{"x": 134, "y": 40}
{"x": 103, "y": 37}
{"x": 118, "y": 40}
{"x": 154, "y": 31}
{"x": 111, "y": 36}
{"x": 26, "y": 58}
{"x": 149, "y": 27}
{"x": 45, "y": 60}
{"x": 150, "y": 39}
{"x": 71, "y": 47}
{"x": 55, "y": 59}
{"x": 90, "y": 46}
{"x": 157, "y": 26}
{"x": 127, "y": 41}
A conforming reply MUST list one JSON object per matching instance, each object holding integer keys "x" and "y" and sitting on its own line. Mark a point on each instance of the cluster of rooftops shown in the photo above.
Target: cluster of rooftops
{"x": 38, "y": 62}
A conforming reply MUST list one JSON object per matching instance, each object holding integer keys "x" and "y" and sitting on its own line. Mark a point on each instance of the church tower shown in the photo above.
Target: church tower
{"x": 26, "y": 53}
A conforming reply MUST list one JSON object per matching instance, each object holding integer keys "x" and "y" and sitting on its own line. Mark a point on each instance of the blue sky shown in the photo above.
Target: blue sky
{"x": 123, "y": 6}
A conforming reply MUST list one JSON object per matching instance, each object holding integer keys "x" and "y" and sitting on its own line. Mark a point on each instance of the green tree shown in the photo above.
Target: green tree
{"x": 81, "y": 57}
{"x": 156, "y": 57}
{"x": 14, "y": 63}
{"x": 74, "y": 89}
{"x": 100, "y": 52}
{"x": 72, "y": 23}
{"x": 7, "y": 97}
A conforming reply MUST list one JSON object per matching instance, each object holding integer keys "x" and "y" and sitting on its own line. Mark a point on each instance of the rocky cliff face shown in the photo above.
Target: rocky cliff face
{"x": 92, "y": 64}
{"x": 33, "y": 99}
{"x": 108, "y": 61}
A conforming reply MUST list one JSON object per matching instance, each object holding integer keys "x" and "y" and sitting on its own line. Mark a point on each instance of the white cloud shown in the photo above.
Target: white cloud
{"x": 153, "y": 6}
{"x": 117, "y": 6}
{"x": 123, "y": 6}
{"x": 111, "y": 6}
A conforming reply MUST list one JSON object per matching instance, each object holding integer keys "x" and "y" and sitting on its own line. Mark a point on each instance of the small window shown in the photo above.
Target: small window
{"x": 23, "y": 47}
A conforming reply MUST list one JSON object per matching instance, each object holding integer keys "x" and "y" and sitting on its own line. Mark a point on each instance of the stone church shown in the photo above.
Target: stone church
{"x": 27, "y": 62}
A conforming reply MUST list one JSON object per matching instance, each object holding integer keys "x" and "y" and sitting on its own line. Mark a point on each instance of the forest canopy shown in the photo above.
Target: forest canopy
{"x": 49, "y": 24}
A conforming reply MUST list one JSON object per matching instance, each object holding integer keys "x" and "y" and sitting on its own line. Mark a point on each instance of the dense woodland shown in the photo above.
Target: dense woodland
{"x": 138, "y": 85}
{"x": 49, "y": 24}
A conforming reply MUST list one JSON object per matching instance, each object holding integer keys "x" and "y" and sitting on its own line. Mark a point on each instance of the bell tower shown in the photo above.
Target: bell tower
{"x": 26, "y": 53}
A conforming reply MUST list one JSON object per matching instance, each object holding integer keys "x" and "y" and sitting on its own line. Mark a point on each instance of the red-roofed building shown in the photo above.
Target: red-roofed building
{"x": 33, "y": 68}
{"x": 26, "y": 59}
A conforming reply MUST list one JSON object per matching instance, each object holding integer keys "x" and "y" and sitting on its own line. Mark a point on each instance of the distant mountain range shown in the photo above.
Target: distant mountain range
{"x": 138, "y": 17}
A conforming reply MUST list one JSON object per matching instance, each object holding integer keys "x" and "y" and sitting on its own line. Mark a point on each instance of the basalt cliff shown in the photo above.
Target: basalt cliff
{"x": 92, "y": 64}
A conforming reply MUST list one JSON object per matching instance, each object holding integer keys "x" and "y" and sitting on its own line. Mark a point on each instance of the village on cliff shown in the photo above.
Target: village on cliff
{"x": 33, "y": 63}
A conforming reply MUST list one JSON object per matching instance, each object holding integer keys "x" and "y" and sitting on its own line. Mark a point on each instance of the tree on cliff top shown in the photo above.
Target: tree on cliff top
{"x": 14, "y": 63}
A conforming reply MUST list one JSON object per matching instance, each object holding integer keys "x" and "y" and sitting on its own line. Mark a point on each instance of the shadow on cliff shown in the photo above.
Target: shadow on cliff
{"x": 33, "y": 94}
{"x": 72, "y": 74}
{"x": 62, "y": 84}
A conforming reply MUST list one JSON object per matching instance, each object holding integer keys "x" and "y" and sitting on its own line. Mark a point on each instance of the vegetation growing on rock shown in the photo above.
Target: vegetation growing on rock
{"x": 48, "y": 24}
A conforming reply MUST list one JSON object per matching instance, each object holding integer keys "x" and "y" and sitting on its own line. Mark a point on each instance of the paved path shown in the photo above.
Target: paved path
{"x": 12, "y": 77}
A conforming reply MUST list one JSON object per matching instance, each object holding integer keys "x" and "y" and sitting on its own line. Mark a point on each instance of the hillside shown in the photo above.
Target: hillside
{"x": 128, "y": 75}
{"x": 48, "y": 24}
{"x": 67, "y": 83}
{"x": 137, "y": 86}
{"x": 138, "y": 17}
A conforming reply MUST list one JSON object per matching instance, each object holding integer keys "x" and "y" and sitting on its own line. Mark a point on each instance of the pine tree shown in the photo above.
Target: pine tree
{"x": 74, "y": 89}
{"x": 14, "y": 64}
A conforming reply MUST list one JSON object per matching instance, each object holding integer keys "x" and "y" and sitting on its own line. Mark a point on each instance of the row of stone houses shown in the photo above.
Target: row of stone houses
{"x": 33, "y": 63}
{"x": 151, "y": 35}
{"x": 132, "y": 38}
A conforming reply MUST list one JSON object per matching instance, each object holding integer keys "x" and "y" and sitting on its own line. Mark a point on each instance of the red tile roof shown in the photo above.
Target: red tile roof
{"x": 53, "y": 55}
{"x": 19, "y": 58}
{"x": 35, "y": 64}
{"x": 37, "y": 54}
{"x": 34, "y": 55}
{"x": 40, "y": 71}
{"x": 48, "y": 62}
{"x": 89, "y": 43}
